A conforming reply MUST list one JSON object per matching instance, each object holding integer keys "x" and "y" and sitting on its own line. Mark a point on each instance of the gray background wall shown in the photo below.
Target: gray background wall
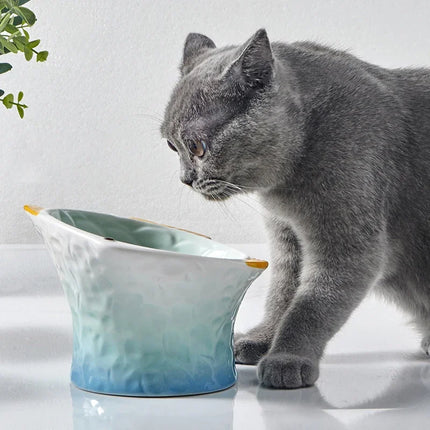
{"x": 90, "y": 137}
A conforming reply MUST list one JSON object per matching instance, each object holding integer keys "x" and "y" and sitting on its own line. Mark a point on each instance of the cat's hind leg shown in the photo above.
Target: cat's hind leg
{"x": 421, "y": 314}
{"x": 285, "y": 252}
{"x": 414, "y": 300}
{"x": 425, "y": 344}
{"x": 423, "y": 326}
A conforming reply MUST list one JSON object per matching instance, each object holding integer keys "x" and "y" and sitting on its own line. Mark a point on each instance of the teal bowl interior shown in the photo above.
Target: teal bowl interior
{"x": 153, "y": 307}
{"x": 145, "y": 233}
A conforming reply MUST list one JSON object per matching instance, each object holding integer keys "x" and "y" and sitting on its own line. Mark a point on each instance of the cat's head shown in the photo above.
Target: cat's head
{"x": 220, "y": 116}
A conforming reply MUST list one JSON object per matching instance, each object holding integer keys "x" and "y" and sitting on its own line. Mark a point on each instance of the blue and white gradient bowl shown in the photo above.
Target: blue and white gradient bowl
{"x": 153, "y": 307}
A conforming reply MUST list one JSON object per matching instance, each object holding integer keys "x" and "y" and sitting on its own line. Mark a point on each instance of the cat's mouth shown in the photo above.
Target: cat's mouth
{"x": 214, "y": 189}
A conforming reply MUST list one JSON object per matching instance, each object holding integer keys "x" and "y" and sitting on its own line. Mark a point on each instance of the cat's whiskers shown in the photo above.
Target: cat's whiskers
{"x": 153, "y": 117}
{"x": 243, "y": 188}
{"x": 224, "y": 204}
{"x": 229, "y": 189}
{"x": 262, "y": 214}
{"x": 218, "y": 203}
{"x": 221, "y": 204}
{"x": 255, "y": 209}
{"x": 217, "y": 190}
{"x": 190, "y": 192}
{"x": 157, "y": 120}
{"x": 174, "y": 172}
{"x": 180, "y": 202}
{"x": 232, "y": 189}
{"x": 239, "y": 223}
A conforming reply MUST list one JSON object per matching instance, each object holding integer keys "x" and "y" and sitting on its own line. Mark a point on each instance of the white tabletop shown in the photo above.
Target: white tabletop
{"x": 372, "y": 376}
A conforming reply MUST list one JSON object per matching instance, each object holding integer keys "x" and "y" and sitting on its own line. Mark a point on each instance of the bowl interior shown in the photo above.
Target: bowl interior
{"x": 144, "y": 234}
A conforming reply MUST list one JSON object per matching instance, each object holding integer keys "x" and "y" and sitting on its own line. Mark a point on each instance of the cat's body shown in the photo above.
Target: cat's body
{"x": 338, "y": 150}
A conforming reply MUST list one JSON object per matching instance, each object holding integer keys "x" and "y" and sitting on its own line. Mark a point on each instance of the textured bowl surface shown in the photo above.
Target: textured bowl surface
{"x": 153, "y": 307}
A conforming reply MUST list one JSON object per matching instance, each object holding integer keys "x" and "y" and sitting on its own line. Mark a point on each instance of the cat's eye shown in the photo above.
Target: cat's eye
{"x": 198, "y": 147}
{"x": 171, "y": 146}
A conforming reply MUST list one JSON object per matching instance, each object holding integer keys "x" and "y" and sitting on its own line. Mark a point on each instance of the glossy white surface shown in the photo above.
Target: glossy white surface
{"x": 374, "y": 375}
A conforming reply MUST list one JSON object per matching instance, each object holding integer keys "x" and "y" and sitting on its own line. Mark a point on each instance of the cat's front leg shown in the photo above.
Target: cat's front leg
{"x": 285, "y": 264}
{"x": 329, "y": 291}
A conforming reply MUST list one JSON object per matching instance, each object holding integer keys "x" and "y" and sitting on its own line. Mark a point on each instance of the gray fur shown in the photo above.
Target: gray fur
{"x": 338, "y": 150}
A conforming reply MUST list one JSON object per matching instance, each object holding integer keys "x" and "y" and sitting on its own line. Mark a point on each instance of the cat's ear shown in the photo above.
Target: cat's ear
{"x": 195, "y": 44}
{"x": 254, "y": 66}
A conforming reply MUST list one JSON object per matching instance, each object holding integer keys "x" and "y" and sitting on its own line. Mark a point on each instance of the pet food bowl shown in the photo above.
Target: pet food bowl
{"x": 153, "y": 307}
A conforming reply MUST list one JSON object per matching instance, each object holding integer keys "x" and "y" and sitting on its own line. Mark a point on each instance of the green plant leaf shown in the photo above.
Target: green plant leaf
{"x": 12, "y": 48}
{"x": 28, "y": 53}
{"x": 8, "y": 45}
{"x": 17, "y": 20}
{"x": 21, "y": 39}
{"x": 42, "y": 56}
{"x": 5, "y": 67}
{"x": 12, "y": 29}
{"x": 4, "y": 21}
{"x": 8, "y": 100}
{"x": 18, "y": 44}
{"x": 14, "y": 37}
{"x": 34, "y": 43}
{"x": 26, "y": 14}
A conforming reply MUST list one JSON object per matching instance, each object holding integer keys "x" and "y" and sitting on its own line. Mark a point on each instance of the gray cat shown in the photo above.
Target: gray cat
{"x": 338, "y": 150}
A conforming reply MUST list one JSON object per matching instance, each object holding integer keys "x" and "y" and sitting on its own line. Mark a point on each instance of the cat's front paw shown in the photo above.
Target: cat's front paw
{"x": 248, "y": 350}
{"x": 284, "y": 370}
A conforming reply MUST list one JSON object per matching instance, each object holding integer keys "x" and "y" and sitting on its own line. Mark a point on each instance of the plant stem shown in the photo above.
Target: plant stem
{"x": 16, "y": 104}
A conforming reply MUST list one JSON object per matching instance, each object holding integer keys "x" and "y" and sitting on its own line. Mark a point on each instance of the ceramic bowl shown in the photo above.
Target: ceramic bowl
{"x": 153, "y": 307}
